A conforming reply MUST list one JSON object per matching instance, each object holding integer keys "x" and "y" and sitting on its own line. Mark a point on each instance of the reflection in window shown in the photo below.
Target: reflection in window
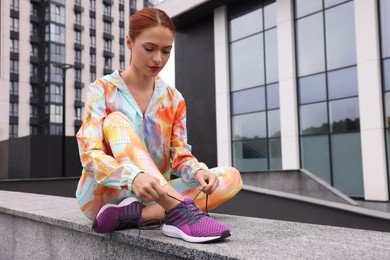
{"x": 247, "y": 24}
{"x": 343, "y": 83}
{"x": 310, "y": 44}
{"x": 255, "y": 89}
{"x": 327, "y": 85}
{"x": 305, "y": 7}
{"x": 249, "y": 126}
{"x": 247, "y": 101}
{"x": 250, "y": 155}
{"x": 312, "y": 88}
{"x": 247, "y": 62}
{"x": 385, "y": 27}
{"x": 314, "y": 119}
{"x": 344, "y": 115}
{"x": 340, "y": 36}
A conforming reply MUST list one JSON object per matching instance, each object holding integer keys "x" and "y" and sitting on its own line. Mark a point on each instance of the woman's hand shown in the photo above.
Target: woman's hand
{"x": 208, "y": 182}
{"x": 147, "y": 188}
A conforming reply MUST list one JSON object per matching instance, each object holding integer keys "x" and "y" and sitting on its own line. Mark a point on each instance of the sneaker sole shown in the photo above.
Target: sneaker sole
{"x": 172, "y": 231}
{"x": 109, "y": 215}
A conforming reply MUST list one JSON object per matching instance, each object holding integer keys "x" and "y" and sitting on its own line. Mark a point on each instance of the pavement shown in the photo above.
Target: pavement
{"x": 252, "y": 238}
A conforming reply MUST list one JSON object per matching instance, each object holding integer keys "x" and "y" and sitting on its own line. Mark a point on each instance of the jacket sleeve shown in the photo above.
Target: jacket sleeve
{"x": 184, "y": 164}
{"x": 94, "y": 155}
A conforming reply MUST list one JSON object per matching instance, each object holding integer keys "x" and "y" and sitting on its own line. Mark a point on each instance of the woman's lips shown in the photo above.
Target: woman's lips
{"x": 154, "y": 68}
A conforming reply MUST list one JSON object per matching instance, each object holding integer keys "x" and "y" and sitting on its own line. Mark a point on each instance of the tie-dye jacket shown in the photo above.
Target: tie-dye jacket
{"x": 162, "y": 129}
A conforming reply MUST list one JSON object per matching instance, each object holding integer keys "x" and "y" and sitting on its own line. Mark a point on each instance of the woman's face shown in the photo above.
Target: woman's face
{"x": 150, "y": 50}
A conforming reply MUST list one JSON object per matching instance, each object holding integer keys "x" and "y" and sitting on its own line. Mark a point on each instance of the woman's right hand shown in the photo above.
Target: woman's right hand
{"x": 147, "y": 188}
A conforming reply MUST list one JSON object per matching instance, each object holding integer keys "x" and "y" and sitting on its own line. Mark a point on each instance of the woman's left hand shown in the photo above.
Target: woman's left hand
{"x": 208, "y": 182}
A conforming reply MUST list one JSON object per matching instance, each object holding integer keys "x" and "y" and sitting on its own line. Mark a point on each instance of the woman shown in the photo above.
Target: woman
{"x": 134, "y": 135}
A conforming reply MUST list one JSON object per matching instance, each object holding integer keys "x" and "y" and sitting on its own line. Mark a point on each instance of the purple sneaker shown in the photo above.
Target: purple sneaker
{"x": 126, "y": 214}
{"x": 189, "y": 223}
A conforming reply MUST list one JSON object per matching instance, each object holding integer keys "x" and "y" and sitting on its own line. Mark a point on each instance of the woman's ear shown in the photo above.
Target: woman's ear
{"x": 129, "y": 42}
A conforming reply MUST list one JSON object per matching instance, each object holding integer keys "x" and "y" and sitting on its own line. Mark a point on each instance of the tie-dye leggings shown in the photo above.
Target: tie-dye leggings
{"x": 91, "y": 196}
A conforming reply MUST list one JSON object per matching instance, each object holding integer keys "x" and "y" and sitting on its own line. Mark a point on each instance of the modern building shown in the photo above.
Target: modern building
{"x": 36, "y": 36}
{"x": 289, "y": 84}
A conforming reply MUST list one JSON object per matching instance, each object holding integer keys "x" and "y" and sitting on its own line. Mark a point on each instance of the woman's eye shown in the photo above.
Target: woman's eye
{"x": 166, "y": 52}
{"x": 148, "y": 49}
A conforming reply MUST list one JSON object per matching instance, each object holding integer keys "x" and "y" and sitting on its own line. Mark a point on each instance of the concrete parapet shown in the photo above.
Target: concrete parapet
{"x": 49, "y": 227}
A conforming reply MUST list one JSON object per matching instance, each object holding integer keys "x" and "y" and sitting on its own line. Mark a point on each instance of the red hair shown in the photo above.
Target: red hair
{"x": 147, "y": 18}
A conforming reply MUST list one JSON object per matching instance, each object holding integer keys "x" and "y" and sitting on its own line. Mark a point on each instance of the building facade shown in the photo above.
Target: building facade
{"x": 37, "y": 38}
{"x": 289, "y": 84}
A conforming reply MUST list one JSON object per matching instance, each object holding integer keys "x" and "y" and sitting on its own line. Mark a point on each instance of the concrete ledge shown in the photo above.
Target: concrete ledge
{"x": 48, "y": 227}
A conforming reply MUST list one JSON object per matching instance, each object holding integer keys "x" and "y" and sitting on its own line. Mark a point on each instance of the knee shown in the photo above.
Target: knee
{"x": 231, "y": 176}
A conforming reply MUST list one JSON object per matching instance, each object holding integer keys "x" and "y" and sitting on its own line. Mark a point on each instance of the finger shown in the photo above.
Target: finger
{"x": 202, "y": 183}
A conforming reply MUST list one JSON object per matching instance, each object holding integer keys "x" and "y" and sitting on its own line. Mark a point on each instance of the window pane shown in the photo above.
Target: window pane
{"x": 347, "y": 164}
{"x": 247, "y": 62}
{"x": 329, "y": 3}
{"x": 385, "y": 27}
{"x": 247, "y": 101}
{"x": 270, "y": 16}
{"x": 275, "y": 154}
{"x": 386, "y": 74}
{"x": 250, "y": 155}
{"x": 314, "y": 119}
{"x": 344, "y": 115}
{"x": 273, "y": 96}
{"x": 247, "y": 24}
{"x": 274, "y": 123}
{"x": 249, "y": 126}
{"x": 343, "y": 83}
{"x": 310, "y": 45}
{"x": 315, "y": 155}
{"x": 387, "y": 107}
{"x": 312, "y": 88}
{"x": 305, "y": 7}
{"x": 340, "y": 36}
{"x": 271, "y": 56}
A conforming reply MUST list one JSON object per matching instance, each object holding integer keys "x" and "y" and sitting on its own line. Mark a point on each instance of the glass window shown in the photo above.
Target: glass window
{"x": 247, "y": 62}
{"x": 13, "y": 109}
{"x": 310, "y": 45}
{"x": 14, "y": 26}
{"x": 13, "y": 88}
{"x": 92, "y": 22}
{"x": 314, "y": 119}
{"x": 315, "y": 155}
{"x": 347, "y": 164}
{"x": 385, "y": 27}
{"x": 275, "y": 154}
{"x": 269, "y": 16}
{"x": 247, "y": 101}
{"x": 340, "y": 36}
{"x": 329, "y": 3}
{"x": 13, "y": 131}
{"x": 271, "y": 56}
{"x": 387, "y": 107}
{"x": 14, "y": 5}
{"x": 14, "y": 66}
{"x": 92, "y": 41}
{"x": 250, "y": 155}
{"x": 249, "y": 126}
{"x": 312, "y": 88}
{"x": 344, "y": 115}
{"x": 273, "y": 96}
{"x": 305, "y": 7}
{"x": 343, "y": 83}
{"x": 247, "y": 24}
{"x": 92, "y": 59}
{"x": 386, "y": 74}
{"x": 14, "y": 45}
{"x": 273, "y": 123}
